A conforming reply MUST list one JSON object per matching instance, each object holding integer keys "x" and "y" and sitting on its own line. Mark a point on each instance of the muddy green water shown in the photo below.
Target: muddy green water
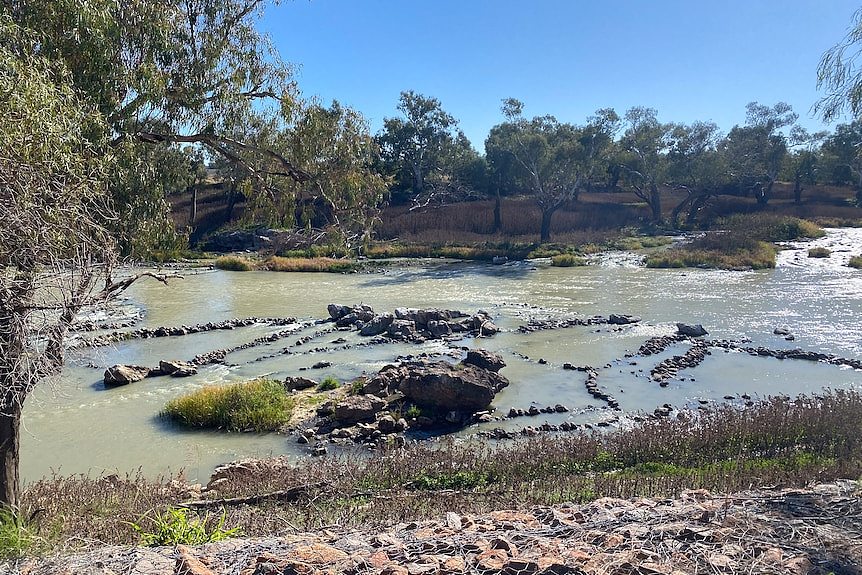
{"x": 78, "y": 426}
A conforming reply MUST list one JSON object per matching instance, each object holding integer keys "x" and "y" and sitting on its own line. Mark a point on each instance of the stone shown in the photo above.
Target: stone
{"x": 177, "y": 368}
{"x": 321, "y": 364}
{"x": 358, "y": 408}
{"x": 318, "y": 450}
{"x": 485, "y": 359}
{"x": 443, "y": 386}
{"x": 453, "y": 521}
{"x": 616, "y": 319}
{"x": 402, "y": 329}
{"x": 188, "y": 564}
{"x": 387, "y": 424}
{"x": 691, "y": 330}
{"x": 337, "y": 311}
{"x": 125, "y": 374}
{"x": 297, "y": 383}
{"x": 377, "y": 325}
{"x": 439, "y": 328}
{"x": 782, "y": 330}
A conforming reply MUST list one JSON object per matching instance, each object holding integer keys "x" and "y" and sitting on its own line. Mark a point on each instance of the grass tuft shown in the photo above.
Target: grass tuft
{"x": 328, "y": 384}
{"x": 234, "y": 264}
{"x": 819, "y": 253}
{"x": 176, "y": 527}
{"x": 317, "y": 264}
{"x": 258, "y": 405}
{"x": 567, "y": 261}
{"x": 17, "y": 536}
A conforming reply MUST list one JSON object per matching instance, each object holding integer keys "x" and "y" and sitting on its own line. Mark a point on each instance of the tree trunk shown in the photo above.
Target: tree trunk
{"x": 193, "y": 208}
{"x": 677, "y": 210}
{"x": 10, "y": 422}
{"x": 797, "y": 189}
{"x": 498, "y": 222}
{"x": 655, "y": 203}
{"x": 545, "y": 233}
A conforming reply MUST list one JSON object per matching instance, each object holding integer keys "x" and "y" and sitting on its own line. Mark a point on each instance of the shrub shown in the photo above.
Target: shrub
{"x": 356, "y": 385}
{"x": 855, "y": 262}
{"x": 317, "y": 264}
{"x": 257, "y": 405}
{"x": 16, "y": 535}
{"x": 234, "y": 264}
{"x": 413, "y": 412}
{"x": 721, "y": 250}
{"x": 329, "y": 383}
{"x": 819, "y": 253}
{"x": 567, "y": 261}
{"x": 771, "y": 227}
{"x": 174, "y": 527}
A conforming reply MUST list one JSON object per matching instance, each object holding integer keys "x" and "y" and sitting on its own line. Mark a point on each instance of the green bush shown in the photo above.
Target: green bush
{"x": 729, "y": 250}
{"x": 819, "y": 253}
{"x": 175, "y": 527}
{"x": 234, "y": 264}
{"x": 567, "y": 261}
{"x": 328, "y": 384}
{"x": 16, "y": 535}
{"x": 855, "y": 262}
{"x": 257, "y": 405}
{"x": 771, "y": 227}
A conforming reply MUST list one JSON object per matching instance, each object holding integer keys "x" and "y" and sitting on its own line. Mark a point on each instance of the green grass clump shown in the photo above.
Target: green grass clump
{"x": 855, "y": 262}
{"x": 455, "y": 480}
{"x": 635, "y": 243}
{"x": 771, "y": 227}
{"x": 567, "y": 261}
{"x": 328, "y": 384}
{"x": 317, "y": 264}
{"x": 717, "y": 250}
{"x": 17, "y": 537}
{"x": 234, "y": 264}
{"x": 819, "y": 253}
{"x": 257, "y": 405}
{"x": 176, "y": 527}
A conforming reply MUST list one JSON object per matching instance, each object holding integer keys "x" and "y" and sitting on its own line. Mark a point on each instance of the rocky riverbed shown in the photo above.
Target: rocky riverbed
{"x": 791, "y": 531}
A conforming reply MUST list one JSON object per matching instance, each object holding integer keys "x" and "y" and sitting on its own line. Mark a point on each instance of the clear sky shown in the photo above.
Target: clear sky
{"x": 689, "y": 59}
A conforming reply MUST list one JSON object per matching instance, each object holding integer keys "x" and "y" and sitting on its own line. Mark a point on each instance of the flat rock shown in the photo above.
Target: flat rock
{"x": 125, "y": 374}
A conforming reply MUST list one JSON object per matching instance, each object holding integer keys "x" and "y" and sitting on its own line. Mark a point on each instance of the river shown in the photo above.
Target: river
{"x": 75, "y": 425}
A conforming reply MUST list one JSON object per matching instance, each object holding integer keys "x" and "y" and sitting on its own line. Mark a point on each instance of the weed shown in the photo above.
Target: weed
{"x": 176, "y": 527}
{"x": 819, "y": 253}
{"x": 328, "y": 384}
{"x": 567, "y": 261}
{"x": 413, "y": 412}
{"x": 16, "y": 535}
{"x": 316, "y": 264}
{"x": 257, "y": 405}
{"x": 356, "y": 386}
{"x": 234, "y": 264}
{"x": 455, "y": 480}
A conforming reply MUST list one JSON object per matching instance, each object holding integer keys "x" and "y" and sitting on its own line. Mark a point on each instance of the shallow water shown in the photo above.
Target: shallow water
{"x": 78, "y": 426}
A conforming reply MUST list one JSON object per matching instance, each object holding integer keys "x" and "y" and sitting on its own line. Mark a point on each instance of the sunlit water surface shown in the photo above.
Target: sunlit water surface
{"x": 79, "y": 426}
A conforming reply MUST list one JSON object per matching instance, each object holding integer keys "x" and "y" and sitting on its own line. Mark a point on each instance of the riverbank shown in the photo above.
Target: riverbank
{"x": 769, "y": 530}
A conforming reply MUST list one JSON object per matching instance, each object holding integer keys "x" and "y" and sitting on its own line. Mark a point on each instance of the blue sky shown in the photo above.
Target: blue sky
{"x": 691, "y": 60}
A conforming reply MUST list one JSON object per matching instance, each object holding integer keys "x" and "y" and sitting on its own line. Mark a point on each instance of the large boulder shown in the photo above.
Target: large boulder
{"x": 297, "y": 383}
{"x": 485, "y": 359}
{"x": 356, "y": 408}
{"x": 125, "y": 374}
{"x": 337, "y": 311}
{"x": 439, "y": 328}
{"x": 442, "y": 386}
{"x": 177, "y": 368}
{"x": 695, "y": 330}
{"x": 377, "y": 325}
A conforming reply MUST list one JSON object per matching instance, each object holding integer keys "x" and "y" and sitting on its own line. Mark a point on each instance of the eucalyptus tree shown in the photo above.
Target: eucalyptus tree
{"x": 695, "y": 166}
{"x": 165, "y": 73}
{"x": 841, "y": 157}
{"x": 755, "y": 152}
{"x": 333, "y": 147}
{"x": 428, "y": 157}
{"x": 801, "y": 163}
{"x": 646, "y": 143}
{"x": 56, "y": 249}
{"x": 839, "y": 74}
{"x": 552, "y": 160}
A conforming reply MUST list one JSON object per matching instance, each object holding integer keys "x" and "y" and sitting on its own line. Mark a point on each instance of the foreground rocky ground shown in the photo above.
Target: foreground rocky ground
{"x": 795, "y": 531}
